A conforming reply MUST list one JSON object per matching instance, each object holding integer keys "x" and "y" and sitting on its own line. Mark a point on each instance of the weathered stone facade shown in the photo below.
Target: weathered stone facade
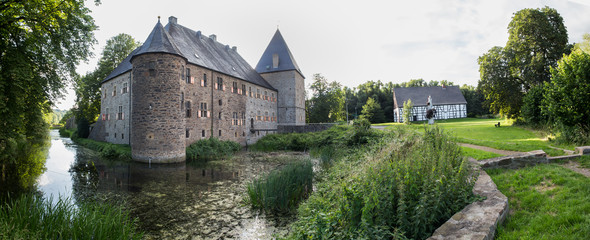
{"x": 181, "y": 87}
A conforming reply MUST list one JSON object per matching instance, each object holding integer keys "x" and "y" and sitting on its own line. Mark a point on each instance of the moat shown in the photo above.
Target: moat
{"x": 173, "y": 201}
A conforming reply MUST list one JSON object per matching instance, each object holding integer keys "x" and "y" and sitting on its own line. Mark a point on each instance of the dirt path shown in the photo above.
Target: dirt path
{"x": 489, "y": 149}
{"x": 574, "y": 166}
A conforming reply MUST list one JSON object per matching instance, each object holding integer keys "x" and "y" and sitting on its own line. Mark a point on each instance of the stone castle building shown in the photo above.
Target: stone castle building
{"x": 181, "y": 86}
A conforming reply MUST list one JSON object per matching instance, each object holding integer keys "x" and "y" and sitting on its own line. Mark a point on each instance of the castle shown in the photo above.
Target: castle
{"x": 181, "y": 86}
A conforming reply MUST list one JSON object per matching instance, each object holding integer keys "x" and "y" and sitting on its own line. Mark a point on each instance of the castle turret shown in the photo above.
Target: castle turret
{"x": 158, "y": 127}
{"x": 278, "y": 67}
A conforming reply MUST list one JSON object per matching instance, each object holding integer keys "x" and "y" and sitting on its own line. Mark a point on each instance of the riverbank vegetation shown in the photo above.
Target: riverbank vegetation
{"x": 281, "y": 190}
{"x": 397, "y": 183}
{"x": 211, "y": 149}
{"x": 31, "y": 217}
{"x": 546, "y": 201}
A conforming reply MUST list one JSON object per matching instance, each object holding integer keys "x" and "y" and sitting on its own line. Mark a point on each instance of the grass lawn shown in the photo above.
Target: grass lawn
{"x": 478, "y": 154}
{"x": 546, "y": 202}
{"x": 483, "y": 132}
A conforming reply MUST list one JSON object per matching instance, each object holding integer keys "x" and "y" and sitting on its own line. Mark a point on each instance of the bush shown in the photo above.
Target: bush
{"x": 29, "y": 217}
{"x": 211, "y": 149}
{"x": 105, "y": 149}
{"x": 281, "y": 190}
{"x": 405, "y": 183}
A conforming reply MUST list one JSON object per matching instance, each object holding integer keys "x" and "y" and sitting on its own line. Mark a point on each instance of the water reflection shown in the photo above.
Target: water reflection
{"x": 174, "y": 200}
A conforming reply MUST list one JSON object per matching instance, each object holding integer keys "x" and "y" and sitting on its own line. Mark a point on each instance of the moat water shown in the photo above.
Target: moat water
{"x": 175, "y": 201}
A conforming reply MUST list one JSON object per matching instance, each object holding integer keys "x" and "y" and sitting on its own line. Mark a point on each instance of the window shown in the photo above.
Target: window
{"x": 258, "y": 116}
{"x": 122, "y": 135}
{"x": 243, "y": 89}
{"x": 220, "y": 102}
{"x": 188, "y": 133}
{"x": 234, "y": 88}
{"x": 265, "y": 95}
{"x": 257, "y": 93}
{"x": 220, "y": 132}
{"x": 203, "y": 112}
{"x": 182, "y": 72}
{"x": 181, "y": 100}
{"x": 115, "y": 135}
{"x": 219, "y": 115}
{"x": 124, "y": 90}
{"x": 188, "y": 109}
{"x": 202, "y": 133}
{"x": 250, "y": 91}
{"x": 204, "y": 80}
{"x": 243, "y": 118}
{"x": 107, "y": 114}
{"x": 219, "y": 84}
{"x": 235, "y": 118}
{"x": 272, "y": 95}
{"x": 188, "y": 76}
{"x": 114, "y": 90}
{"x": 120, "y": 113}
{"x": 265, "y": 116}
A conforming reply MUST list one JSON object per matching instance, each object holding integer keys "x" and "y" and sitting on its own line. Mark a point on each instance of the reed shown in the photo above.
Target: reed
{"x": 31, "y": 217}
{"x": 211, "y": 149}
{"x": 282, "y": 190}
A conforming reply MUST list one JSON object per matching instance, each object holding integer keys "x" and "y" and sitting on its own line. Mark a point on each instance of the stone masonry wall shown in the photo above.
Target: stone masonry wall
{"x": 115, "y": 108}
{"x": 158, "y": 133}
{"x": 291, "y": 102}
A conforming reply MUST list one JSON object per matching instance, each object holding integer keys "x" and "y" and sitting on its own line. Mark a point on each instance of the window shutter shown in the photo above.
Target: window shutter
{"x": 202, "y": 83}
{"x": 208, "y": 114}
{"x": 198, "y": 114}
{"x": 103, "y": 117}
{"x": 123, "y": 116}
{"x": 216, "y": 85}
{"x": 223, "y": 86}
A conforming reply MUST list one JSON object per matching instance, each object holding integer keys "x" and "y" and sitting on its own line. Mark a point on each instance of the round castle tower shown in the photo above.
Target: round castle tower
{"x": 158, "y": 127}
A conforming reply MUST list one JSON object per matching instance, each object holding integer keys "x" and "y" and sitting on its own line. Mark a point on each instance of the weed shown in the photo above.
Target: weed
{"x": 210, "y": 149}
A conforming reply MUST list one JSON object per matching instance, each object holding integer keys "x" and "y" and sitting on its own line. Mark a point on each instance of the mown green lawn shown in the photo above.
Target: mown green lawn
{"x": 483, "y": 132}
{"x": 546, "y": 202}
{"x": 478, "y": 154}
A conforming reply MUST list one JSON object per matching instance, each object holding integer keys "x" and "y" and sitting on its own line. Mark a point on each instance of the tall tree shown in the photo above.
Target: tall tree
{"x": 41, "y": 41}
{"x": 87, "y": 87}
{"x": 537, "y": 40}
{"x": 372, "y": 111}
{"x": 584, "y": 45}
{"x": 327, "y": 101}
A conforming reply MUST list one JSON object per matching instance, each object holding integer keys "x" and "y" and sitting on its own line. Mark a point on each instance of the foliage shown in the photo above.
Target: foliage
{"x": 531, "y": 107}
{"x": 283, "y": 189}
{"x": 83, "y": 128}
{"x": 211, "y": 149}
{"x": 407, "y": 111}
{"x": 105, "y": 149}
{"x": 327, "y": 101}
{"x": 87, "y": 87}
{"x": 67, "y": 115}
{"x": 546, "y": 202}
{"x": 567, "y": 97}
{"x": 372, "y": 111}
{"x": 403, "y": 184}
{"x": 537, "y": 40}
{"x": 30, "y": 217}
{"x": 41, "y": 41}
{"x": 584, "y": 46}
{"x": 475, "y": 101}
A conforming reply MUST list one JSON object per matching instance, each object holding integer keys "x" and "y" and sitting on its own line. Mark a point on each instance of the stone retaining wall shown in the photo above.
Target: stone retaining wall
{"x": 515, "y": 161}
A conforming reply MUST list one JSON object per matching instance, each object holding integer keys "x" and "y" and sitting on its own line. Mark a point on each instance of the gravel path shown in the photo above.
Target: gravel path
{"x": 489, "y": 149}
{"x": 575, "y": 166}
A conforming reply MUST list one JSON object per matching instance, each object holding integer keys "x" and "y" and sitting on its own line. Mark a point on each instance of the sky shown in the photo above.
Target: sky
{"x": 350, "y": 42}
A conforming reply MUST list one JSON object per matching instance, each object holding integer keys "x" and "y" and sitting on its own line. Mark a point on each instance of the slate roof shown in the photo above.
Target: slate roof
{"x": 277, "y": 46}
{"x": 197, "y": 49}
{"x": 419, "y": 95}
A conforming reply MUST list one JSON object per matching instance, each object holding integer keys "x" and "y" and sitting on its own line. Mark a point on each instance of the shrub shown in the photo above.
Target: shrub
{"x": 29, "y": 217}
{"x": 406, "y": 183}
{"x": 105, "y": 149}
{"x": 281, "y": 190}
{"x": 210, "y": 149}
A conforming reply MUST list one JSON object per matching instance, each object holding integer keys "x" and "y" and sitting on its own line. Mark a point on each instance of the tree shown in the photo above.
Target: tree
{"x": 567, "y": 96}
{"x": 407, "y": 111}
{"x": 372, "y": 111}
{"x": 41, "y": 41}
{"x": 87, "y": 87}
{"x": 475, "y": 100}
{"x": 584, "y": 45}
{"x": 531, "y": 110}
{"x": 537, "y": 40}
{"x": 327, "y": 101}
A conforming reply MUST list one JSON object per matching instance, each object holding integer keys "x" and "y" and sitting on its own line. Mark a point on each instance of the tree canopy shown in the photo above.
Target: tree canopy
{"x": 372, "y": 111}
{"x": 327, "y": 101}
{"x": 537, "y": 40}
{"x": 87, "y": 87}
{"x": 41, "y": 42}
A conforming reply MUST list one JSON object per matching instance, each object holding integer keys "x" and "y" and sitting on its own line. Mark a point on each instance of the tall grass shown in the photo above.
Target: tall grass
{"x": 211, "y": 149}
{"x": 30, "y": 217}
{"x": 404, "y": 186}
{"x": 282, "y": 190}
{"x": 105, "y": 149}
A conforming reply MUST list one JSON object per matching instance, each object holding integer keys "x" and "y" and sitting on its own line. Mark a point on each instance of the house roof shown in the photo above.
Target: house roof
{"x": 419, "y": 95}
{"x": 277, "y": 46}
{"x": 196, "y": 49}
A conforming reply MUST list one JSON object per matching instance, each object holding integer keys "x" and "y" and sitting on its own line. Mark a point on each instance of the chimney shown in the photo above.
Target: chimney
{"x": 275, "y": 60}
{"x": 234, "y": 48}
{"x": 213, "y": 36}
{"x": 199, "y": 34}
{"x": 173, "y": 19}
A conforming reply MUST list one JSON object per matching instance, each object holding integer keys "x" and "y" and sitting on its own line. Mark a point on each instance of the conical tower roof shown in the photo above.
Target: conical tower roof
{"x": 159, "y": 41}
{"x": 279, "y": 47}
